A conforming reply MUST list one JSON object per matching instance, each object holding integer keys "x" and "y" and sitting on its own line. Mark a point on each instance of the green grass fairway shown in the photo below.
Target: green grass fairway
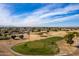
{"x": 39, "y": 47}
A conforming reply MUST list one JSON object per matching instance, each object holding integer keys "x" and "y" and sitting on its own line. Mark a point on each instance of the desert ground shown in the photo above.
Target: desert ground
{"x": 65, "y": 49}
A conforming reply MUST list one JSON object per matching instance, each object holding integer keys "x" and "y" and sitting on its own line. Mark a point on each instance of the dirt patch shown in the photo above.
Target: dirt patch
{"x": 65, "y": 49}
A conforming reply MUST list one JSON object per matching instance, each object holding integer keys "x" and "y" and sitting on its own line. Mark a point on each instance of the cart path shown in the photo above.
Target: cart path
{"x": 76, "y": 53}
{"x": 5, "y": 45}
{"x": 65, "y": 49}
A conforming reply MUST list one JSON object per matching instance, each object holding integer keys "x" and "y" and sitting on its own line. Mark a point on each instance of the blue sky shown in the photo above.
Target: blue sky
{"x": 39, "y": 14}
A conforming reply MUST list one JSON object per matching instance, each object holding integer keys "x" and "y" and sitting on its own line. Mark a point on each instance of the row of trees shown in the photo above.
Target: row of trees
{"x": 20, "y": 36}
{"x": 7, "y": 33}
{"x": 7, "y": 36}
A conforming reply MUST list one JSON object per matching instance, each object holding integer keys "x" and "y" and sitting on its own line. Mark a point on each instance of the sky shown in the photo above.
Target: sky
{"x": 39, "y": 14}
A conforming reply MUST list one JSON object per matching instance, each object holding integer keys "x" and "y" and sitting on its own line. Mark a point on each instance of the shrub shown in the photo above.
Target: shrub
{"x": 13, "y": 36}
{"x": 21, "y": 36}
{"x": 69, "y": 38}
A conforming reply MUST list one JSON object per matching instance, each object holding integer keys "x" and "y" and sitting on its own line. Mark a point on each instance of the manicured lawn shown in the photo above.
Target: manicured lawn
{"x": 39, "y": 47}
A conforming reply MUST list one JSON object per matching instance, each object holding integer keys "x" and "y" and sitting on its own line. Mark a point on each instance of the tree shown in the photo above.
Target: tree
{"x": 76, "y": 34}
{"x": 21, "y": 36}
{"x": 39, "y": 30}
{"x": 13, "y": 36}
{"x": 47, "y": 30}
{"x": 0, "y": 34}
{"x": 28, "y": 35}
{"x": 6, "y": 32}
{"x": 69, "y": 38}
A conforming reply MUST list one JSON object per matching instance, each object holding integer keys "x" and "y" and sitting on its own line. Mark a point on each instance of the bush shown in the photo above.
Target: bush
{"x": 13, "y": 36}
{"x": 21, "y": 36}
{"x": 4, "y": 38}
{"x": 69, "y": 38}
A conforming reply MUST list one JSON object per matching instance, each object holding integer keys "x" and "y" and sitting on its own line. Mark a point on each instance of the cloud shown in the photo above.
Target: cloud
{"x": 35, "y": 20}
{"x": 38, "y": 17}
